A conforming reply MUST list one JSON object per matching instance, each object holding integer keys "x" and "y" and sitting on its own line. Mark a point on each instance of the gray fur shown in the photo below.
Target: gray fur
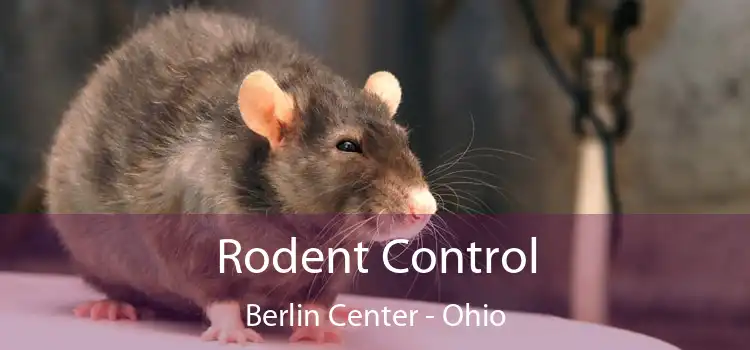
{"x": 157, "y": 130}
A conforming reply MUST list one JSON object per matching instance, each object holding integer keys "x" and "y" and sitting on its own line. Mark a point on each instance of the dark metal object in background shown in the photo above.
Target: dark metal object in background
{"x": 604, "y": 25}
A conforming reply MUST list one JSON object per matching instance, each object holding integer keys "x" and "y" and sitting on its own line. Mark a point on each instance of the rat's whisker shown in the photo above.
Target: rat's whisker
{"x": 323, "y": 233}
{"x": 443, "y": 232}
{"x": 471, "y": 153}
{"x": 450, "y": 189}
{"x": 462, "y": 206}
{"x": 457, "y": 203}
{"x": 473, "y": 199}
{"x": 344, "y": 216}
{"x": 453, "y": 163}
{"x": 478, "y": 213}
{"x": 499, "y": 152}
{"x": 345, "y": 235}
{"x": 438, "y": 274}
{"x": 332, "y": 224}
{"x": 364, "y": 258}
{"x": 416, "y": 275}
{"x": 372, "y": 242}
{"x": 467, "y": 171}
{"x": 474, "y": 182}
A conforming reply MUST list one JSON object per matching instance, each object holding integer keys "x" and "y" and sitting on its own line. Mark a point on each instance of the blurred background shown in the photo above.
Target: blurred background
{"x": 471, "y": 74}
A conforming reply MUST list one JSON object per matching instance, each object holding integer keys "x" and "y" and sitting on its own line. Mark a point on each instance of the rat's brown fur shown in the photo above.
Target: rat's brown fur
{"x": 157, "y": 131}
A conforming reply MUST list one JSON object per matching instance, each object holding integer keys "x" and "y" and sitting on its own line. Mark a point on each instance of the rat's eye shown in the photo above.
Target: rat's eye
{"x": 349, "y": 146}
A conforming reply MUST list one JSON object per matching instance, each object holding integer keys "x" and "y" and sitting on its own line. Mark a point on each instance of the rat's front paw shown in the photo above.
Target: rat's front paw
{"x": 227, "y": 326}
{"x": 325, "y": 332}
{"x": 106, "y": 309}
{"x": 232, "y": 334}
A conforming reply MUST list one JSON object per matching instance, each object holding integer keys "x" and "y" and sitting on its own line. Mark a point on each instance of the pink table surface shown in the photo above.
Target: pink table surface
{"x": 35, "y": 314}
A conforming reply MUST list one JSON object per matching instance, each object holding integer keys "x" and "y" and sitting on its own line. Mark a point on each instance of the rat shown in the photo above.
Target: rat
{"x": 204, "y": 112}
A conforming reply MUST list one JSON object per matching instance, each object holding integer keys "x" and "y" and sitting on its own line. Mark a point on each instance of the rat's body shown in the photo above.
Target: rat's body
{"x": 209, "y": 113}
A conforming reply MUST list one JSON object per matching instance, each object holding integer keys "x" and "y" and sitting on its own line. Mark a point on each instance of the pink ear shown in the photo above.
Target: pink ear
{"x": 265, "y": 108}
{"x": 384, "y": 85}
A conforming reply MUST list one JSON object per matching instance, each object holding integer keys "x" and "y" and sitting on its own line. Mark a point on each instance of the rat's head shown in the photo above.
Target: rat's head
{"x": 342, "y": 153}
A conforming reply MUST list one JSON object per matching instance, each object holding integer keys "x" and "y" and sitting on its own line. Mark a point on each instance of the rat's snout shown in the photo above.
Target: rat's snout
{"x": 421, "y": 203}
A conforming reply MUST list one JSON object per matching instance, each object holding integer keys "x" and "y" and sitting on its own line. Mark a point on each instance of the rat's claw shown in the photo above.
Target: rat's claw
{"x": 209, "y": 334}
{"x": 129, "y": 311}
{"x": 231, "y": 335}
{"x": 106, "y": 309}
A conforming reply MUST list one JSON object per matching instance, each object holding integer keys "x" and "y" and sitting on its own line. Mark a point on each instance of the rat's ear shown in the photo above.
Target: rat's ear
{"x": 265, "y": 108}
{"x": 384, "y": 85}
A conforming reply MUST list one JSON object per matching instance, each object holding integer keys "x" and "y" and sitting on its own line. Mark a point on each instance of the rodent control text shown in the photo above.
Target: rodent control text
{"x": 423, "y": 260}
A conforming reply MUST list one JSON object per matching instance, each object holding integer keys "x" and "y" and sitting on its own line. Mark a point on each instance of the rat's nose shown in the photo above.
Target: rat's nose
{"x": 421, "y": 203}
